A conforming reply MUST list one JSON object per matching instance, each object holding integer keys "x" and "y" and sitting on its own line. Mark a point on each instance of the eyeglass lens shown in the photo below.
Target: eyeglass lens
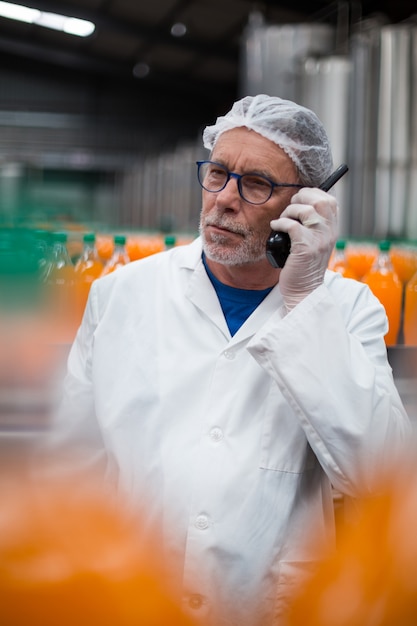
{"x": 214, "y": 177}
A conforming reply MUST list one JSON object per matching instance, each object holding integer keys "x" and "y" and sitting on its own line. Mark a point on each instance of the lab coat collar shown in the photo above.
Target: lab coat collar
{"x": 202, "y": 294}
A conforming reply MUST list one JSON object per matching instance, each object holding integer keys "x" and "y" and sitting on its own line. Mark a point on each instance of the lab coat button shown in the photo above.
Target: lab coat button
{"x": 195, "y": 601}
{"x": 216, "y": 433}
{"x": 229, "y": 355}
{"x": 201, "y": 522}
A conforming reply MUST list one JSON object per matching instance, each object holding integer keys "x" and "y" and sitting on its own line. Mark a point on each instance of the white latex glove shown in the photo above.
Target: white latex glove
{"x": 311, "y": 222}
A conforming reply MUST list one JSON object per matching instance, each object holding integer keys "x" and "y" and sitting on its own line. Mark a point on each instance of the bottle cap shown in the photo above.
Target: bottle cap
{"x": 119, "y": 240}
{"x": 89, "y": 237}
{"x": 384, "y": 245}
{"x": 60, "y": 236}
{"x": 170, "y": 240}
{"x": 340, "y": 244}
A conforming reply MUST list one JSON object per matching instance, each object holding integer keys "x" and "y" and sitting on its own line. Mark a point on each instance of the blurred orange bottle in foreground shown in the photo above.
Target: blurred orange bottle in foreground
{"x": 338, "y": 262}
{"x": 119, "y": 257}
{"x": 410, "y": 312}
{"x": 386, "y": 286}
{"x": 87, "y": 269}
{"x": 372, "y": 576}
{"x": 70, "y": 555}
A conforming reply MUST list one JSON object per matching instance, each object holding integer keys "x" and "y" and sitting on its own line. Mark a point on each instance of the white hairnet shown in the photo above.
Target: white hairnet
{"x": 295, "y": 129}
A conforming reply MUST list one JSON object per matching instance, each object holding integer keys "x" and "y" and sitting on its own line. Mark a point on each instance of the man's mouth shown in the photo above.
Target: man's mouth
{"x": 223, "y": 229}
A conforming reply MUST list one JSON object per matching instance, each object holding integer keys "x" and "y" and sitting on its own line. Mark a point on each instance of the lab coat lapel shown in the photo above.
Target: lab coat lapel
{"x": 203, "y": 295}
{"x": 262, "y": 313}
{"x": 201, "y": 292}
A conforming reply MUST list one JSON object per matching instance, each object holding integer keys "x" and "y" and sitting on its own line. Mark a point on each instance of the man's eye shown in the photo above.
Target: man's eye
{"x": 217, "y": 172}
{"x": 256, "y": 181}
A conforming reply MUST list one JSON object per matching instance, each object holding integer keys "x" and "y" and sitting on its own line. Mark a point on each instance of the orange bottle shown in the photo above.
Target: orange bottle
{"x": 410, "y": 312}
{"x": 105, "y": 246}
{"x": 70, "y": 554}
{"x": 361, "y": 256}
{"x": 61, "y": 289}
{"x": 386, "y": 286}
{"x": 140, "y": 246}
{"x": 338, "y": 262}
{"x": 88, "y": 267}
{"x": 404, "y": 260}
{"x": 367, "y": 580}
{"x": 119, "y": 257}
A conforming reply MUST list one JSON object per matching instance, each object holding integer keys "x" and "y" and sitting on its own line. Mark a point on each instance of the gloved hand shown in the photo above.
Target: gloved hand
{"x": 311, "y": 222}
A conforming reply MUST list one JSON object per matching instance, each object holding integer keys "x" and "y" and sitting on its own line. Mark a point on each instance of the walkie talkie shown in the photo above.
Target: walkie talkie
{"x": 278, "y": 244}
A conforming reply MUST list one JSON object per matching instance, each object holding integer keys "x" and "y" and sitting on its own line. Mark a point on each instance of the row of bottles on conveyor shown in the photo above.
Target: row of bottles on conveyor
{"x": 390, "y": 271}
{"x": 67, "y": 282}
{"x": 45, "y": 278}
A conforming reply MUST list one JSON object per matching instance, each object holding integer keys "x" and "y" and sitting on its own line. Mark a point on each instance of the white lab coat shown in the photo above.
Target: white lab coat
{"x": 233, "y": 443}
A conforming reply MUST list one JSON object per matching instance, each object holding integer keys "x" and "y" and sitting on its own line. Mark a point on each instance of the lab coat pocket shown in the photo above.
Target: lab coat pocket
{"x": 291, "y": 578}
{"x": 284, "y": 446}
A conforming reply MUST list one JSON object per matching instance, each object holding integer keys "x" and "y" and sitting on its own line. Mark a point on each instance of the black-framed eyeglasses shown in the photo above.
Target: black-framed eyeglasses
{"x": 253, "y": 188}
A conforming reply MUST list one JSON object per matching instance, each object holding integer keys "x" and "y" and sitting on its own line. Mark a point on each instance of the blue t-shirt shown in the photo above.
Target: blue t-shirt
{"x": 237, "y": 304}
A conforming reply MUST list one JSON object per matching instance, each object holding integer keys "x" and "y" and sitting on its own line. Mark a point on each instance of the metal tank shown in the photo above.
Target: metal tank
{"x": 382, "y": 117}
{"x": 362, "y": 123}
{"x": 270, "y": 55}
{"x": 393, "y": 133}
{"x": 411, "y": 216}
{"x": 324, "y": 88}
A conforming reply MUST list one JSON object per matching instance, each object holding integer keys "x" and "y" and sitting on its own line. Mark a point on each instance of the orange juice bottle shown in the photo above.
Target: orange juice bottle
{"x": 88, "y": 267}
{"x": 105, "y": 247}
{"x": 134, "y": 247}
{"x": 410, "y": 312}
{"x": 119, "y": 257}
{"x": 361, "y": 256}
{"x": 61, "y": 289}
{"x": 386, "y": 286}
{"x": 338, "y": 262}
{"x": 404, "y": 260}
{"x": 144, "y": 245}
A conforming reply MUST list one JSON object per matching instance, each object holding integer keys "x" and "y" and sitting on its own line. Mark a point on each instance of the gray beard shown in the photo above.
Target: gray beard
{"x": 251, "y": 249}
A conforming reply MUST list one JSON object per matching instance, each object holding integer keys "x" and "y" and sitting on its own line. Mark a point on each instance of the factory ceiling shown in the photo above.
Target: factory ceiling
{"x": 167, "y": 48}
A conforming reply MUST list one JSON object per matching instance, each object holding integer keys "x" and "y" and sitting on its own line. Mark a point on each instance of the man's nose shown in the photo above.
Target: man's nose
{"x": 230, "y": 191}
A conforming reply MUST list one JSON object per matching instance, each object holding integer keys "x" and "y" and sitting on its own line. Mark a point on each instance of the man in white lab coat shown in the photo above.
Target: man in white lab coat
{"x": 225, "y": 396}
